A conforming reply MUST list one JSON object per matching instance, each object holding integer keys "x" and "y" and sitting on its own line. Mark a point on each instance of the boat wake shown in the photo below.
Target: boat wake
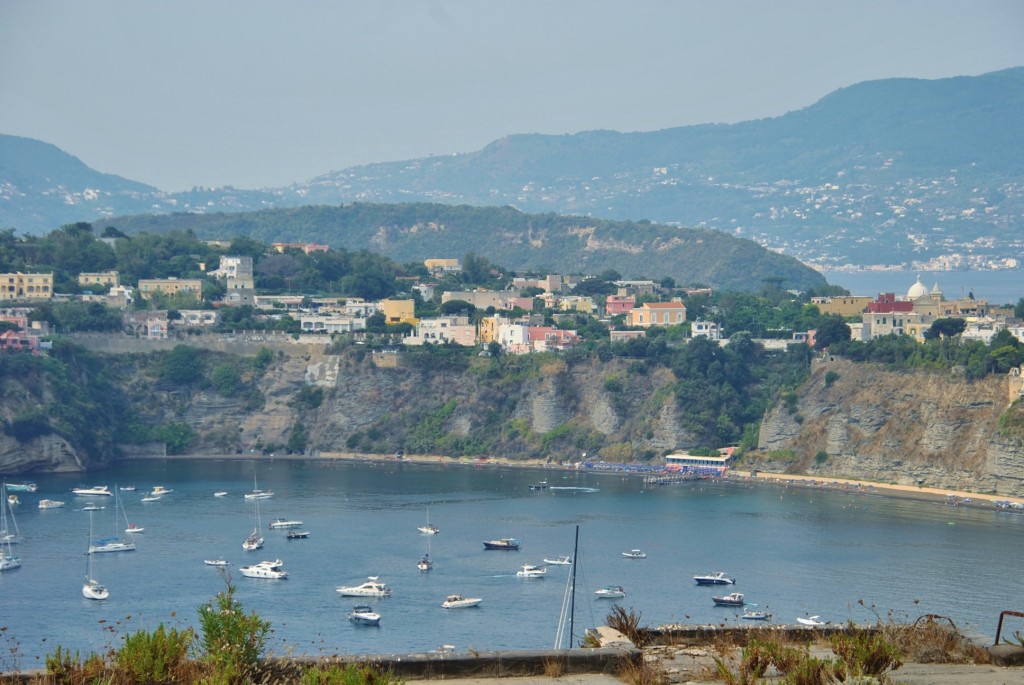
{"x": 577, "y": 489}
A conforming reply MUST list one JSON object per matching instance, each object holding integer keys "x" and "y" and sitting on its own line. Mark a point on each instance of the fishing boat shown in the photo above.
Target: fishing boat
{"x": 371, "y": 588}
{"x": 635, "y": 554}
{"x": 254, "y": 540}
{"x": 733, "y": 599}
{"x": 531, "y": 571}
{"x": 92, "y": 588}
{"x": 364, "y": 615}
{"x": 510, "y": 544}
{"x": 460, "y": 602}
{"x": 718, "y": 578}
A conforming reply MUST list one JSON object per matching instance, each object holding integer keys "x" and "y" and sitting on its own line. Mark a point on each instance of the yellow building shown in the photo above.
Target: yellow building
{"x": 446, "y": 266}
{"x": 19, "y": 286}
{"x": 111, "y": 278}
{"x": 658, "y": 314}
{"x": 843, "y": 306}
{"x": 399, "y": 311}
{"x": 170, "y": 287}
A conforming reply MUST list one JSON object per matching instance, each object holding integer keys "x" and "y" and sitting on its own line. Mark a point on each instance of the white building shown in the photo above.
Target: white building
{"x": 706, "y": 329}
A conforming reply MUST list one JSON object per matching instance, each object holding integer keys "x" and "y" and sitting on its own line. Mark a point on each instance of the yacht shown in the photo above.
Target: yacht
{"x": 364, "y": 615}
{"x": 610, "y": 592}
{"x": 282, "y": 523}
{"x": 96, "y": 490}
{"x": 265, "y": 569}
{"x": 733, "y": 599}
{"x": 371, "y": 588}
{"x": 50, "y": 504}
{"x": 531, "y": 571}
{"x": 111, "y": 545}
{"x": 460, "y": 602}
{"x": 503, "y": 543}
{"x": 635, "y": 554}
{"x": 718, "y": 578}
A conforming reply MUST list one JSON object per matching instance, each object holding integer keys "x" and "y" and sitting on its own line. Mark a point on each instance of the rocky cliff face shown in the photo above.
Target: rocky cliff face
{"x": 861, "y": 421}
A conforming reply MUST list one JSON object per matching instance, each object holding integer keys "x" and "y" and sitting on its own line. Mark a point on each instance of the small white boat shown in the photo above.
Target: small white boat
{"x": 811, "y": 621}
{"x": 610, "y": 592}
{"x": 93, "y": 589}
{"x": 460, "y": 602}
{"x": 221, "y": 493}
{"x": 425, "y": 564}
{"x": 733, "y": 599}
{"x": 92, "y": 507}
{"x": 429, "y": 529}
{"x": 281, "y": 523}
{"x": 531, "y": 571}
{"x": 635, "y": 554}
{"x": 364, "y": 615}
{"x": 756, "y": 616}
{"x": 50, "y": 504}
{"x": 559, "y": 561}
{"x": 127, "y": 488}
{"x": 13, "y": 500}
{"x": 718, "y": 578}
{"x": 297, "y": 534}
{"x": 216, "y": 562}
{"x": 134, "y": 528}
{"x": 371, "y": 588}
{"x": 151, "y": 498}
{"x": 270, "y": 570}
{"x": 94, "y": 491}
{"x": 159, "y": 491}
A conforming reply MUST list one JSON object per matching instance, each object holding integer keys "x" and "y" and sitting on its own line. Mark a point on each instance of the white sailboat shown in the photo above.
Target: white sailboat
{"x": 92, "y": 588}
{"x": 257, "y": 493}
{"x": 8, "y": 536}
{"x": 254, "y": 540}
{"x": 425, "y": 563}
{"x": 7, "y": 559}
{"x": 429, "y": 528}
{"x": 115, "y": 543}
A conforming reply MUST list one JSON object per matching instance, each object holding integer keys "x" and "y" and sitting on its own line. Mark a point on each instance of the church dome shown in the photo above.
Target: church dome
{"x": 917, "y": 290}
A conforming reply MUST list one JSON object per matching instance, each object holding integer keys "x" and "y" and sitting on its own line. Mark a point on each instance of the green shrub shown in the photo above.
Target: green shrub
{"x": 830, "y": 378}
{"x": 821, "y": 457}
{"x": 160, "y": 656}
{"x": 64, "y": 667}
{"x": 349, "y": 674}
{"x": 232, "y": 640}
{"x": 866, "y": 652}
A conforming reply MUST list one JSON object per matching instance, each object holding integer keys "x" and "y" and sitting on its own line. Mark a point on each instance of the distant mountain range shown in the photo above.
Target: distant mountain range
{"x": 924, "y": 174}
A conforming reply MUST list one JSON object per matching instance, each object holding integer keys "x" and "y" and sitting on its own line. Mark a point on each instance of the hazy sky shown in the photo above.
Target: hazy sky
{"x": 252, "y": 93}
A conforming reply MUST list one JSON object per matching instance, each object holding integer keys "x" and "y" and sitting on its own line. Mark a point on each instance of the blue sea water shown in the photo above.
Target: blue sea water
{"x": 795, "y": 551}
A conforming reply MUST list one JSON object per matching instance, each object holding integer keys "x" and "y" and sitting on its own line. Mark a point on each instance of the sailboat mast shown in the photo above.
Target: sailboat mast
{"x": 572, "y": 602}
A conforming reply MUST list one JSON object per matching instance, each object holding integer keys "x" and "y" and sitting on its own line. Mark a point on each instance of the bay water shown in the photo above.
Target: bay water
{"x": 795, "y": 551}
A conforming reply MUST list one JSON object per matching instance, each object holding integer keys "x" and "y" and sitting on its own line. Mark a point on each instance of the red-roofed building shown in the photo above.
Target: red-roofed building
{"x": 658, "y": 314}
{"x": 886, "y": 303}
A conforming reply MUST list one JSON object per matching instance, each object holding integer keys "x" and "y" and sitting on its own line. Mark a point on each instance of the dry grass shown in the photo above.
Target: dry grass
{"x": 933, "y": 639}
{"x": 640, "y": 672}
{"x": 555, "y": 667}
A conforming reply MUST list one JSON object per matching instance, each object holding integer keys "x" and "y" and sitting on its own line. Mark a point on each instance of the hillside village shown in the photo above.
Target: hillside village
{"x": 509, "y": 321}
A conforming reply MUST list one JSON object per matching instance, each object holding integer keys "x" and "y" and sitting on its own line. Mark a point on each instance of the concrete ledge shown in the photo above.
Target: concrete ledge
{"x": 497, "y": 664}
{"x": 1007, "y": 655}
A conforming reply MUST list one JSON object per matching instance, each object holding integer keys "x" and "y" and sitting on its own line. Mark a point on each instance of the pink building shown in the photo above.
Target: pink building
{"x": 619, "y": 304}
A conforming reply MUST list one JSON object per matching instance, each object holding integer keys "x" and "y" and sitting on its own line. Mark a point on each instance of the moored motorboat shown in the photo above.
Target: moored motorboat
{"x": 151, "y": 498}
{"x": 429, "y": 529}
{"x": 733, "y": 599}
{"x": 134, "y": 528}
{"x": 371, "y": 588}
{"x": 23, "y": 486}
{"x": 635, "y": 554}
{"x": 282, "y": 523}
{"x": 756, "y": 616}
{"x": 160, "y": 491}
{"x": 50, "y": 504}
{"x": 717, "y": 578}
{"x": 460, "y": 602}
{"x": 270, "y": 570}
{"x": 297, "y": 534}
{"x": 94, "y": 491}
{"x": 610, "y": 592}
{"x": 531, "y": 571}
{"x": 559, "y": 561}
{"x": 543, "y": 485}
{"x": 221, "y": 493}
{"x": 127, "y": 488}
{"x": 364, "y": 615}
{"x": 811, "y": 621}
{"x": 216, "y": 562}
{"x": 511, "y": 544}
